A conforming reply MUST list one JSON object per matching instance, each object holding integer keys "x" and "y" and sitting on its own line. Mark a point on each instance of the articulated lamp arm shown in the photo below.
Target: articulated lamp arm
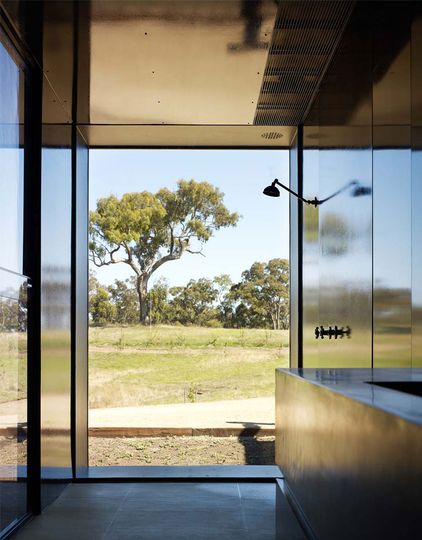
{"x": 359, "y": 190}
{"x": 315, "y": 202}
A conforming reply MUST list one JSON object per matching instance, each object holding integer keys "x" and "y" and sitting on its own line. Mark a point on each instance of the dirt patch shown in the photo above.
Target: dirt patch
{"x": 203, "y": 450}
{"x": 182, "y": 451}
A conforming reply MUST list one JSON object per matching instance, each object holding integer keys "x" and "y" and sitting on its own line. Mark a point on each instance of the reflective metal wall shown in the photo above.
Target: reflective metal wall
{"x": 13, "y": 293}
{"x": 392, "y": 186}
{"x": 337, "y": 235}
{"x": 56, "y": 303}
{"x": 295, "y": 258}
{"x": 361, "y": 248}
{"x": 80, "y": 308}
{"x": 416, "y": 157}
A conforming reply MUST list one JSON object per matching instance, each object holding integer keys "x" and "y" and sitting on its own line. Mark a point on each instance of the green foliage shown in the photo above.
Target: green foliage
{"x": 158, "y": 300}
{"x": 262, "y": 296}
{"x": 102, "y": 311}
{"x": 144, "y": 230}
{"x": 125, "y": 300}
{"x": 259, "y": 300}
{"x": 193, "y": 304}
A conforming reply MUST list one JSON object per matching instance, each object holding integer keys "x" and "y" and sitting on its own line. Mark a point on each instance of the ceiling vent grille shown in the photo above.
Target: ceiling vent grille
{"x": 305, "y": 37}
{"x": 271, "y": 135}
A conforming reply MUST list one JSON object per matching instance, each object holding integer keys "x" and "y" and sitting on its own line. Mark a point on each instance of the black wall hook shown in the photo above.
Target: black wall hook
{"x": 335, "y": 332}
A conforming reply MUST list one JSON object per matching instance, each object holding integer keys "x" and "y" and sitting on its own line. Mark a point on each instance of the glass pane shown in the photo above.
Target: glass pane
{"x": 13, "y": 307}
{"x": 392, "y": 257}
{"x": 13, "y": 407}
{"x": 11, "y": 164}
{"x": 55, "y": 306}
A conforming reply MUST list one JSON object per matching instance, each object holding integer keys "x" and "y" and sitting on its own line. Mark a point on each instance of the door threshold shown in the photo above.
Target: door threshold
{"x": 259, "y": 473}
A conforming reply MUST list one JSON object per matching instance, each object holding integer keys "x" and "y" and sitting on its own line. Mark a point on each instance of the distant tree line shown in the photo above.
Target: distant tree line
{"x": 259, "y": 300}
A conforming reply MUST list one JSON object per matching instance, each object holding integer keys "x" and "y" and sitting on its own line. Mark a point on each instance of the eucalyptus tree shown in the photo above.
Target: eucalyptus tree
{"x": 145, "y": 230}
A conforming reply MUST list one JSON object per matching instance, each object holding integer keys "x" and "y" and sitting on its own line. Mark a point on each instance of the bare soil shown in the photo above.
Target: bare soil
{"x": 203, "y": 450}
{"x": 175, "y": 450}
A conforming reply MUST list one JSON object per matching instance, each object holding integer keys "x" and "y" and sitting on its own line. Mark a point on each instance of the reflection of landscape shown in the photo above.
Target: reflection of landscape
{"x": 13, "y": 384}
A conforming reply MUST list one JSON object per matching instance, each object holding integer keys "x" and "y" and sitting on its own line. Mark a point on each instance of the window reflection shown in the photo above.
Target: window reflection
{"x": 13, "y": 304}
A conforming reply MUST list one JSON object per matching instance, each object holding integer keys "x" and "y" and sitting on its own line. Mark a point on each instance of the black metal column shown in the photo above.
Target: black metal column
{"x": 32, "y": 248}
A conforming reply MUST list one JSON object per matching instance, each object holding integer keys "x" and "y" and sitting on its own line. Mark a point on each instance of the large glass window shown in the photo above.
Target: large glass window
{"x": 189, "y": 305}
{"x": 13, "y": 287}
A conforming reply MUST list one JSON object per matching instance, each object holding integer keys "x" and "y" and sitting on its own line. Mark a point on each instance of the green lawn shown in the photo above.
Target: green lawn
{"x": 173, "y": 364}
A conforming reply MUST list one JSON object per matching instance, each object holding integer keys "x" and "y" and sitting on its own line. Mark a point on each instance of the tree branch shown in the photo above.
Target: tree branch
{"x": 195, "y": 252}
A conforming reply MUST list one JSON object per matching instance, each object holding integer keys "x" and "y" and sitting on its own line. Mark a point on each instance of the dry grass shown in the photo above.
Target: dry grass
{"x": 138, "y": 366}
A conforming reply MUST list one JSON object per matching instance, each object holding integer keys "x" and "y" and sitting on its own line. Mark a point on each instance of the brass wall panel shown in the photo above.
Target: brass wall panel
{"x": 58, "y": 38}
{"x": 354, "y": 468}
{"x": 184, "y": 62}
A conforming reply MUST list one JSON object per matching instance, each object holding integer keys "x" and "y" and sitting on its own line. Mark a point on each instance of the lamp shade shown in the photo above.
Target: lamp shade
{"x": 271, "y": 191}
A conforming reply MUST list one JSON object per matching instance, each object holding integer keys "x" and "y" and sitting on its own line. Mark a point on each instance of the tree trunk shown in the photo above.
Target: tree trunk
{"x": 142, "y": 290}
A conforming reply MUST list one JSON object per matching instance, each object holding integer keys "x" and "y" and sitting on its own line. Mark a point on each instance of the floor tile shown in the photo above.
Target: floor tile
{"x": 214, "y": 519}
{"x": 168, "y": 510}
{"x": 260, "y": 520}
{"x": 88, "y": 491}
{"x": 173, "y": 534}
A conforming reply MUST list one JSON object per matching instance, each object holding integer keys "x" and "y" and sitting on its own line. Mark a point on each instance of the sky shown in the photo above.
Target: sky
{"x": 262, "y": 232}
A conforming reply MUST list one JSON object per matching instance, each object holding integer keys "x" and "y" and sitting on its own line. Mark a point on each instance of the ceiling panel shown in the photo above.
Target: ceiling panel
{"x": 305, "y": 37}
{"x": 181, "y": 62}
{"x": 187, "y": 136}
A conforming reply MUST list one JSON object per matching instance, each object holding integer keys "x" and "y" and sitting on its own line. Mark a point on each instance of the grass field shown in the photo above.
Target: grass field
{"x": 13, "y": 364}
{"x": 138, "y": 365}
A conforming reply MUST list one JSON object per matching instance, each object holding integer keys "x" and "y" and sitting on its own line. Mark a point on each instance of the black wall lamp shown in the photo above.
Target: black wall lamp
{"x": 358, "y": 191}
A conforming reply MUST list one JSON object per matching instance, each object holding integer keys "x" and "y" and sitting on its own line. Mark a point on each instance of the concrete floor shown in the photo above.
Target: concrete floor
{"x": 170, "y": 510}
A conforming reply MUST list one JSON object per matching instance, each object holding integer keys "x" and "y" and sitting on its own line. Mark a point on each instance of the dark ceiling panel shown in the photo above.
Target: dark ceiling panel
{"x": 305, "y": 37}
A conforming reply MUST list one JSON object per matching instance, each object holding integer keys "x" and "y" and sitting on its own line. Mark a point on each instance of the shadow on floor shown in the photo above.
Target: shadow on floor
{"x": 258, "y": 451}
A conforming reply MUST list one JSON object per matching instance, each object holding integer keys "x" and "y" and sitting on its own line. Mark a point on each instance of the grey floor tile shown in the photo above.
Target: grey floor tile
{"x": 166, "y": 503}
{"x": 202, "y": 511}
{"x": 215, "y": 519}
{"x": 257, "y": 520}
{"x": 227, "y": 489}
{"x": 88, "y": 491}
{"x": 48, "y": 532}
{"x": 164, "y": 533}
{"x": 261, "y": 535}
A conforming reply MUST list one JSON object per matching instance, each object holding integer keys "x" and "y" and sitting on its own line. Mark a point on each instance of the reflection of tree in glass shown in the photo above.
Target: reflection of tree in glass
{"x": 310, "y": 222}
{"x": 334, "y": 234}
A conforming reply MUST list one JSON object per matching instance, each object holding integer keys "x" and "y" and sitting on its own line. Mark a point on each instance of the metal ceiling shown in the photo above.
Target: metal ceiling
{"x": 304, "y": 40}
{"x": 177, "y": 63}
{"x": 199, "y": 72}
